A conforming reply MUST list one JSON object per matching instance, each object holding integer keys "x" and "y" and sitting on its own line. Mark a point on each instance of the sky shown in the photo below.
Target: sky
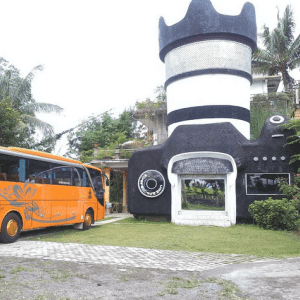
{"x": 100, "y": 55}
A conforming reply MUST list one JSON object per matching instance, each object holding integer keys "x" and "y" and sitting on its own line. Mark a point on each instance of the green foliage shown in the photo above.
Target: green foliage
{"x": 104, "y": 130}
{"x": 87, "y": 156}
{"x": 149, "y": 107}
{"x": 160, "y": 100}
{"x": 281, "y": 53}
{"x": 263, "y": 106}
{"x": 116, "y": 187}
{"x": 12, "y": 130}
{"x": 292, "y": 191}
{"x": 22, "y": 107}
{"x": 279, "y": 214}
{"x": 294, "y": 139}
{"x": 276, "y": 214}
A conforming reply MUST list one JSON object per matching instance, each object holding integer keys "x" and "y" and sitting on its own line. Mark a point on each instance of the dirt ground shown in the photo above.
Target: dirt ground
{"x": 44, "y": 279}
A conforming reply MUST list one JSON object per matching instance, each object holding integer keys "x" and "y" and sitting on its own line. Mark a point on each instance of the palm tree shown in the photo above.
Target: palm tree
{"x": 19, "y": 92}
{"x": 282, "y": 50}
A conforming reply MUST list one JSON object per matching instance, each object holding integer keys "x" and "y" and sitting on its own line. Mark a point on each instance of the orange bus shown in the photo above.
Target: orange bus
{"x": 39, "y": 189}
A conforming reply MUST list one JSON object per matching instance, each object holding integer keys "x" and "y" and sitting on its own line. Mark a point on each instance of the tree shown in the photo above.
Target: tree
{"x": 11, "y": 133}
{"x": 293, "y": 143}
{"x": 282, "y": 51}
{"x": 104, "y": 130}
{"x": 17, "y": 91}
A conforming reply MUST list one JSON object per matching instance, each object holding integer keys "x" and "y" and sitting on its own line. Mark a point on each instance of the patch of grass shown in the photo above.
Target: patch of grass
{"x": 124, "y": 278}
{"x": 177, "y": 282}
{"x": 160, "y": 294}
{"x": 2, "y": 276}
{"x": 59, "y": 274}
{"x": 229, "y": 290}
{"x": 238, "y": 239}
{"x": 20, "y": 269}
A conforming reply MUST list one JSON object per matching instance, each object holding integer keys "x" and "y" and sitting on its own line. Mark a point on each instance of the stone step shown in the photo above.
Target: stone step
{"x": 203, "y": 223}
{"x": 203, "y": 215}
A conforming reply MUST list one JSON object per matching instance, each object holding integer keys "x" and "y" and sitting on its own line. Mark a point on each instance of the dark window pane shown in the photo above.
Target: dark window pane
{"x": 84, "y": 177}
{"x": 62, "y": 175}
{"x": 265, "y": 183}
{"x": 76, "y": 177}
{"x": 11, "y": 167}
{"x": 39, "y": 172}
{"x": 97, "y": 183}
{"x": 43, "y": 177}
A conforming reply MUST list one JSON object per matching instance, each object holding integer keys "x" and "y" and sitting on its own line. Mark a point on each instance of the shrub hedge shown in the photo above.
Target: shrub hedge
{"x": 276, "y": 214}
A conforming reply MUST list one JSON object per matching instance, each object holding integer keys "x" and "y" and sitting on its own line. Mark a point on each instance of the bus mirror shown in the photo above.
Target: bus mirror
{"x": 107, "y": 182}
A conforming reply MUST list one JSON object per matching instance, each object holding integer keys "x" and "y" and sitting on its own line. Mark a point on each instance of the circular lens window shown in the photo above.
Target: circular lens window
{"x": 151, "y": 183}
{"x": 276, "y": 119}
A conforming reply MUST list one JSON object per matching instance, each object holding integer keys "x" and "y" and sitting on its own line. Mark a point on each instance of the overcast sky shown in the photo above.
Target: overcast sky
{"x": 100, "y": 54}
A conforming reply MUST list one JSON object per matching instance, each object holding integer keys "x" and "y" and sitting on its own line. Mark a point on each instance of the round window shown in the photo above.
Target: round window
{"x": 151, "y": 183}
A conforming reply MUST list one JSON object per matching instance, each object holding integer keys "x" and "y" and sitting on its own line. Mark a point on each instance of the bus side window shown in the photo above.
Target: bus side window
{"x": 62, "y": 175}
{"x": 3, "y": 169}
{"x": 76, "y": 178}
{"x": 43, "y": 177}
{"x": 22, "y": 169}
{"x": 85, "y": 179}
{"x": 9, "y": 167}
{"x": 39, "y": 172}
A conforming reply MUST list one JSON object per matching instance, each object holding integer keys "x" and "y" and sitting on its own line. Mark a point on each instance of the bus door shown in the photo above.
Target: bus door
{"x": 67, "y": 185}
{"x": 96, "y": 177}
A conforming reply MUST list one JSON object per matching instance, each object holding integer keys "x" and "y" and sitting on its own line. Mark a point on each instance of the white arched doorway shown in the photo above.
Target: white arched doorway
{"x": 206, "y": 167}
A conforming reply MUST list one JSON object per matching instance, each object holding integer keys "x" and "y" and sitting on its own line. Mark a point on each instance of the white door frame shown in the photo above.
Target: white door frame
{"x": 230, "y": 189}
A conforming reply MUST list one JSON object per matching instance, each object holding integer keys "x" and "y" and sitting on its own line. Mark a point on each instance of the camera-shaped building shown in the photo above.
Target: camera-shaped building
{"x": 208, "y": 171}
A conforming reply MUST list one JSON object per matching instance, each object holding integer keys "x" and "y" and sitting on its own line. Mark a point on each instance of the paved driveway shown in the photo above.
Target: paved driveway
{"x": 256, "y": 277}
{"x": 124, "y": 256}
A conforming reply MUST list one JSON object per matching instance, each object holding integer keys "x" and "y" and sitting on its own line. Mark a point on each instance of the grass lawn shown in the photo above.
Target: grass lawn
{"x": 238, "y": 239}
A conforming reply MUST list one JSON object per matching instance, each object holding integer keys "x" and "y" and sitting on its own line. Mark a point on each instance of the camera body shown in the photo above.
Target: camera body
{"x": 258, "y": 164}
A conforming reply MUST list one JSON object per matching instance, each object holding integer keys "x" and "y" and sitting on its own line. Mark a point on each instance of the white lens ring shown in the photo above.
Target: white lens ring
{"x": 276, "y": 119}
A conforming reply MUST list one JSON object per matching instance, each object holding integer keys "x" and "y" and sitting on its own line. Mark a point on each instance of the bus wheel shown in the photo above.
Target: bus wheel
{"x": 88, "y": 220}
{"x": 10, "y": 228}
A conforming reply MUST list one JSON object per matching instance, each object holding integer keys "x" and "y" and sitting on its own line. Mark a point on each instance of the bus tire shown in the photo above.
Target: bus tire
{"x": 88, "y": 220}
{"x": 10, "y": 228}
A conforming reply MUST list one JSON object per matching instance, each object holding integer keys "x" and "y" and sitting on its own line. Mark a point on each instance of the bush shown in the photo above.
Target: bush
{"x": 276, "y": 214}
